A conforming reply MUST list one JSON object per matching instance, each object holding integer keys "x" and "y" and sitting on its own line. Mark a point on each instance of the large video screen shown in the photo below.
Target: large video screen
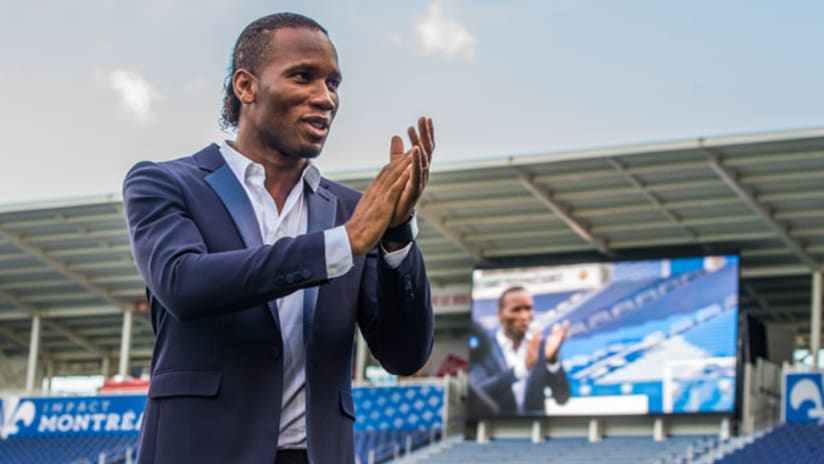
{"x": 620, "y": 338}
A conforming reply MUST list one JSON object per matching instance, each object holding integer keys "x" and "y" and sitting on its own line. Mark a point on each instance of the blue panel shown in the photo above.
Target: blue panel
{"x": 398, "y": 408}
{"x": 90, "y": 415}
{"x": 804, "y": 397}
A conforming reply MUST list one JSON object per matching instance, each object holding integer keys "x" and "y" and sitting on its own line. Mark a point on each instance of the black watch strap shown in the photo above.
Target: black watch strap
{"x": 404, "y": 233}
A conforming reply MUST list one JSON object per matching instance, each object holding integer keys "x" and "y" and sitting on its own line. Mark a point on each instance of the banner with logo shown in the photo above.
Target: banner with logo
{"x": 408, "y": 407}
{"x": 803, "y": 397}
{"x": 65, "y": 416}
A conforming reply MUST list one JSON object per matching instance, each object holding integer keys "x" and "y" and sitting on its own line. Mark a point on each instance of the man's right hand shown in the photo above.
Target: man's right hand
{"x": 553, "y": 343}
{"x": 532, "y": 349}
{"x": 377, "y": 205}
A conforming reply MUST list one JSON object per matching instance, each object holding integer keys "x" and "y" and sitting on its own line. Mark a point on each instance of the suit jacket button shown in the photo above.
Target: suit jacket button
{"x": 306, "y": 274}
{"x": 290, "y": 278}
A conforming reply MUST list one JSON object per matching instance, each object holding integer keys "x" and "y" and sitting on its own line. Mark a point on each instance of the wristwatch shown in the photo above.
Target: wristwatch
{"x": 403, "y": 233}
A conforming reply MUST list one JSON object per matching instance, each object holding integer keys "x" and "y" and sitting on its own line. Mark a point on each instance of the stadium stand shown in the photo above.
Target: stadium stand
{"x": 572, "y": 450}
{"x": 788, "y": 443}
{"x": 68, "y": 450}
{"x": 395, "y": 420}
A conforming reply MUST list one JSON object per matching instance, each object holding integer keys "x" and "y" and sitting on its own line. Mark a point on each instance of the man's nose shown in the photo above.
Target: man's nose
{"x": 323, "y": 97}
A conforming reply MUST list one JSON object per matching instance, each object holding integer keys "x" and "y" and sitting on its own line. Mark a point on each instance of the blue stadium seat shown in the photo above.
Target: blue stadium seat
{"x": 66, "y": 450}
{"x": 790, "y": 443}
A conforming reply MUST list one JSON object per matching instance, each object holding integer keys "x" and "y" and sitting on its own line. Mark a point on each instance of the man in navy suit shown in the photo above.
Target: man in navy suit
{"x": 511, "y": 367}
{"x": 257, "y": 268}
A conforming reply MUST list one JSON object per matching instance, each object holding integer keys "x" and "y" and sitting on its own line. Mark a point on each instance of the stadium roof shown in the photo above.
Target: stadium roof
{"x": 759, "y": 195}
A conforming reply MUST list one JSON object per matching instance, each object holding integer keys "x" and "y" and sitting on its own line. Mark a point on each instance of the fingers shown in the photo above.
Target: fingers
{"x": 417, "y": 170}
{"x": 397, "y": 186}
{"x": 395, "y": 147}
{"x": 428, "y": 140}
{"x": 412, "y": 189}
{"x": 397, "y": 164}
{"x": 413, "y": 136}
{"x": 377, "y": 205}
{"x": 431, "y": 127}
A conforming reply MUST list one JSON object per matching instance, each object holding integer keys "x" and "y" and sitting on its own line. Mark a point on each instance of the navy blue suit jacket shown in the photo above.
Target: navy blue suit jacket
{"x": 217, "y": 367}
{"x": 491, "y": 382}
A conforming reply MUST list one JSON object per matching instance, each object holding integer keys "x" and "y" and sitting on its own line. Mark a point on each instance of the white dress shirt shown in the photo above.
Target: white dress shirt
{"x": 290, "y": 222}
{"x": 516, "y": 360}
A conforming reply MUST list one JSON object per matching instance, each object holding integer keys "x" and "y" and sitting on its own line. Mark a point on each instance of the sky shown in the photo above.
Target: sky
{"x": 90, "y": 87}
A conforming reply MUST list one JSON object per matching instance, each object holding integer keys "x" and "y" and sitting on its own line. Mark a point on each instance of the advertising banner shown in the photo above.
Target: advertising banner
{"x": 65, "y": 416}
{"x": 803, "y": 397}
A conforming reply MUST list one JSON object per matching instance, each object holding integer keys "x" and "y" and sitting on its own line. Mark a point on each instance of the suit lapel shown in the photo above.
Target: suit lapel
{"x": 231, "y": 193}
{"x": 225, "y": 184}
{"x": 322, "y": 206}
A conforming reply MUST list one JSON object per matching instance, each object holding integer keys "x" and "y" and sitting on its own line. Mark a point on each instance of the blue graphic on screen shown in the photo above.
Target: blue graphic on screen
{"x": 644, "y": 337}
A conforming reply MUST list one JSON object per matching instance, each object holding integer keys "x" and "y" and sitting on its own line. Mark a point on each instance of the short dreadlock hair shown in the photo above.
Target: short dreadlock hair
{"x": 252, "y": 47}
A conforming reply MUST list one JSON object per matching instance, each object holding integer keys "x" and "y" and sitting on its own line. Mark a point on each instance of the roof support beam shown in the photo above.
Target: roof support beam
{"x": 9, "y": 335}
{"x": 79, "y": 311}
{"x": 81, "y": 280}
{"x": 60, "y": 328}
{"x": 61, "y": 268}
{"x": 745, "y": 194}
{"x": 437, "y": 223}
{"x": 545, "y": 197}
{"x": 638, "y": 185}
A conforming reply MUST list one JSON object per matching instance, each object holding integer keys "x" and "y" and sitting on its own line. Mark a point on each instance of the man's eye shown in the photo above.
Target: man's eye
{"x": 303, "y": 77}
{"x": 333, "y": 83}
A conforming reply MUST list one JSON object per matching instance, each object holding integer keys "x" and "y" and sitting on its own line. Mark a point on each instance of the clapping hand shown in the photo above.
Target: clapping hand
{"x": 390, "y": 199}
{"x": 551, "y": 345}
{"x": 424, "y": 140}
{"x": 554, "y": 340}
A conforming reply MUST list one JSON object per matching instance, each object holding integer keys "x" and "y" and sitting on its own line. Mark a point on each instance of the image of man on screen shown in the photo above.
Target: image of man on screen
{"x": 510, "y": 374}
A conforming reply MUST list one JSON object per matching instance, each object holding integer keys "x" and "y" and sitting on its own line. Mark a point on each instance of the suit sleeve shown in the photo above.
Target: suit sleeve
{"x": 188, "y": 280}
{"x": 395, "y": 312}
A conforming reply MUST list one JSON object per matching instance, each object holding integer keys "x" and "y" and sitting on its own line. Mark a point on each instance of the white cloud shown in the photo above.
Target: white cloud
{"x": 136, "y": 95}
{"x": 440, "y": 35}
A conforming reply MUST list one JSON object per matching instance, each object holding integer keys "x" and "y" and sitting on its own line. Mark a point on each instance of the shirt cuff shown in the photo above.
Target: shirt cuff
{"x": 395, "y": 258}
{"x": 553, "y": 368}
{"x": 338, "y": 252}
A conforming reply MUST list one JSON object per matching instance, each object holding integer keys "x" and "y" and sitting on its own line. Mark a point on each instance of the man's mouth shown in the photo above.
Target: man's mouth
{"x": 318, "y": 125}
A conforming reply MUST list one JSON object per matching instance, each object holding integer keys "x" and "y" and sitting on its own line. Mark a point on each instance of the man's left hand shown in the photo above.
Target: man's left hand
{"x": 554, "y": 340}
{"x": 424, "y": 139}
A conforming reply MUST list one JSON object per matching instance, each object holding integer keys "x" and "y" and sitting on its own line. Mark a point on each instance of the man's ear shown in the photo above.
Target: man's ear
{"x": 244, "y": 84}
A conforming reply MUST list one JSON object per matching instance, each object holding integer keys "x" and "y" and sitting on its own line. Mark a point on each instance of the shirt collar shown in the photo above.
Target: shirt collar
{"x": 240, "y": 165}
{"x": 506, "y": 342}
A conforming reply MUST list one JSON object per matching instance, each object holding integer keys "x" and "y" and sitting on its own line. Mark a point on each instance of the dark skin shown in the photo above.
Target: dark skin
{"x": 515, "y": 314}
{"x": 287, "y": 108}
